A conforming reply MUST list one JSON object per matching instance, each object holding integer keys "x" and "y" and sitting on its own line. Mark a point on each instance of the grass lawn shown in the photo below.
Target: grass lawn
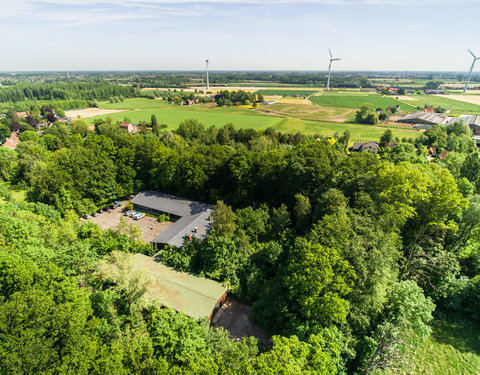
{"x": 18, "y": 194}
{"x": 438, "y": 101}
{"x": 357, "y": 100}
{"x": 453, "y": 348}
{"x": 309, "y": 123}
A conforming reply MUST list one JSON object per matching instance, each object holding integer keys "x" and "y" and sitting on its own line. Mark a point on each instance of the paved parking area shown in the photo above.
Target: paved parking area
{"x": 149, "y": 226}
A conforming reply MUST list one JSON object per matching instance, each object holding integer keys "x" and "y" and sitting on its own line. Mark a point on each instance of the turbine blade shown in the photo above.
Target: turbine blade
{"x": 338, "y": 58}
{"x": 330, "y": 52}
{"x": 471, "y": 53}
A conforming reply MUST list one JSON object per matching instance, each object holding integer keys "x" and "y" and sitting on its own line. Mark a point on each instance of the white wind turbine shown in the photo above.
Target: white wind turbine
{"x": 206, "y": 66}
{"x": 475, "y": 58}
{"x": 330, "y": 68}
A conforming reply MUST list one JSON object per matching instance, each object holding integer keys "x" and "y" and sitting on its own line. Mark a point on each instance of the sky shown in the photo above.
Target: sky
{"x": 400, "y": 35}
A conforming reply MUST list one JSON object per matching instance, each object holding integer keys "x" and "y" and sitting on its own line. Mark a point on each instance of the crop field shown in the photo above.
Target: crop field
{"x": 444, "y": 102}
{"x": 357, "y": 100}
{"x": 288, "y": 92}
{"x": 286, "y": 118}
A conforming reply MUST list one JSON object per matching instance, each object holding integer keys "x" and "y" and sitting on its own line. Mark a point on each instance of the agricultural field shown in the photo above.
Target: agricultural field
{"x": 283, "y": 117}
{"x": 453, "y": 348}
{"x": 172, "y": 115}
{"x": 357, "y": 100}
{"x": 287, "y": 92}
{"x": 456, "y": 106}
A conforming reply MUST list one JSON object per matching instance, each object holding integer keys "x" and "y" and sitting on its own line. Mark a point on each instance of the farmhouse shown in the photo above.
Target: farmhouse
{"x": 12, "y": 142}
{"x": 195, "y": 296}
{"x": 129, "y": 127}
{"x": 367, "y": 146}
{"x": 426, "y": 118}
{"x": 191, "y": 219}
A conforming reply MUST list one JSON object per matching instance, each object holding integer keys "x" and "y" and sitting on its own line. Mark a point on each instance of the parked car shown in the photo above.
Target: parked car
{"x": 86, "y": 216}
{"x": 129, "y": 213}
{"x": 95, "y": 214}
{"x": 138, "y": 216}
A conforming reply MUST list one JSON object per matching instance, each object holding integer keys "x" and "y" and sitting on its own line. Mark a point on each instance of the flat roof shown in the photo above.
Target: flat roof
{"x": 192, "y": 214}
{"x": 169, "y": 203}
{"x": 195, "y": 296}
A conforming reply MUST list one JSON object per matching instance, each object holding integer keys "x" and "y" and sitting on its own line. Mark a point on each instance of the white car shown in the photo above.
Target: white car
{"x": 138, "y": 216}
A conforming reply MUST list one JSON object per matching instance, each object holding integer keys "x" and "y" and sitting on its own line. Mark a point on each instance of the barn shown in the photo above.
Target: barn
{"x": 195, "y": 296}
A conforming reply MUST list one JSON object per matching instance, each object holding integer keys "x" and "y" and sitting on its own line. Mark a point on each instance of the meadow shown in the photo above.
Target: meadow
{"x": 139, "y": 109}
{"x": 357, "y": 100}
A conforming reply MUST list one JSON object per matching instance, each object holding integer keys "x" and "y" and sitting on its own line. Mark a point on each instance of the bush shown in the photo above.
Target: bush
{"x": 163, "y": 218}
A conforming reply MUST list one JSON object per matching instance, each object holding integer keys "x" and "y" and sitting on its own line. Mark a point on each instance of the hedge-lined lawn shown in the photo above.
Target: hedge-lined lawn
{"x": 357, "y": 100}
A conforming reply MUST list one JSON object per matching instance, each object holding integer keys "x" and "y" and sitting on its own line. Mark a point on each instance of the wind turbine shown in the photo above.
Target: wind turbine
{"x": 206, "y": 66}
{"x": 475, "y": 58}
{"x": 330, "y": 68}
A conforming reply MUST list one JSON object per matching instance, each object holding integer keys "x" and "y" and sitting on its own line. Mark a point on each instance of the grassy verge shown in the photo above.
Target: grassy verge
{"x": 453, "y": 348}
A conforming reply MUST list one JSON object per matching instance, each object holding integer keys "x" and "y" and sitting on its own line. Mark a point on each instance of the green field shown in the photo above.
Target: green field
{"x": 357, "y": 100}
{"x": 141, "y": 110}
{"x": 438, "y": 101}
{"x": 286, "y": 92}
{"x": 453, "y": 348}
{"x": 172, "y": 115}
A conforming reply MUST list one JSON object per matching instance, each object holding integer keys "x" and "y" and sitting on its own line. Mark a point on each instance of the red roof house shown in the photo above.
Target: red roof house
{"x": 129, "y": 127}
{"x": 12, "y": 142}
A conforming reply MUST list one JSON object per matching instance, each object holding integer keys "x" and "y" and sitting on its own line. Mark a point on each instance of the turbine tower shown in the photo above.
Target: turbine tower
{"x": 475, "y": 58}
{"x": 206, "y": 65}
{"x": 330, "y": 68}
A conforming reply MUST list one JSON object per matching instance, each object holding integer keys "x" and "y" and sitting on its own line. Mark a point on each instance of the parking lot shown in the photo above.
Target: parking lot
{"x": 149, "y": 226}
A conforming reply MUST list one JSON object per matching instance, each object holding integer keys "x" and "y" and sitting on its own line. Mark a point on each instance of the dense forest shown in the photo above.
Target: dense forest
{"x": 343, "y": 257}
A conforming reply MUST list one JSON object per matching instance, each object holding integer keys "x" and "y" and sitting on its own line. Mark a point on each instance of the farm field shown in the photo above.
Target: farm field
{"x": 453, "y": 348}
{"x": 445, "y": 102}
{"x": 300, "y": 108}
{"x": 284, "y": 117}
{"x": 288, "y": 92}
{"x": 472, "y": 99}
{"x": 357, "y": 100}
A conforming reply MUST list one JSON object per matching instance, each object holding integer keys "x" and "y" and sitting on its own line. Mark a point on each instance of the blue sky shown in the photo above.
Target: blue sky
{"x": 238, "y": 35}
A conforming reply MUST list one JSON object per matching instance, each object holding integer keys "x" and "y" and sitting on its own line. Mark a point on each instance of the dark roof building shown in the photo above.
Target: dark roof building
{"x": 190, "y": 218}
{"x": 195, "y": 296}
{"x": 365, "y": 146}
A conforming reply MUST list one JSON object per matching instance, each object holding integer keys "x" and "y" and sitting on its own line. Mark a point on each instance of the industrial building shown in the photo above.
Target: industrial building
{"x": 190, "y": 218}
{"x": 195, "y": 296}
{"x": 425, "y": 118}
